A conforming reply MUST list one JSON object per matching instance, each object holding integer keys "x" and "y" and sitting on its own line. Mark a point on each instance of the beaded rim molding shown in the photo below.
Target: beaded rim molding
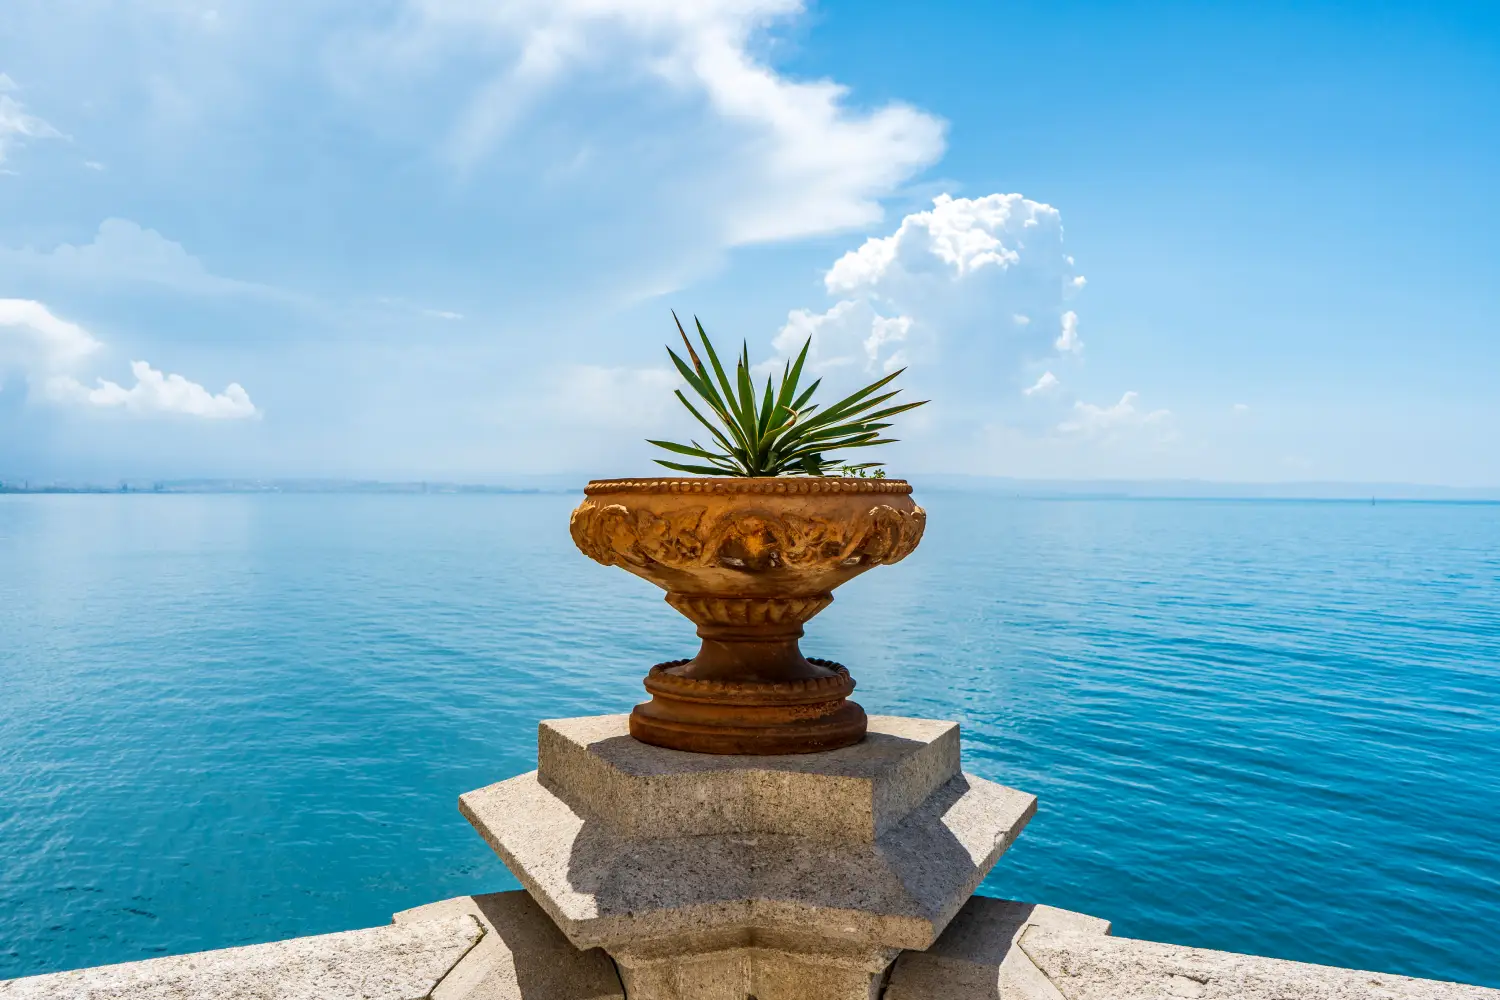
{"x": 823, "y": 484}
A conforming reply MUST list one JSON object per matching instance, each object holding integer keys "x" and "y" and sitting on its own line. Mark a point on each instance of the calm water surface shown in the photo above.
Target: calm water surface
{"x": 1264, "y": 727}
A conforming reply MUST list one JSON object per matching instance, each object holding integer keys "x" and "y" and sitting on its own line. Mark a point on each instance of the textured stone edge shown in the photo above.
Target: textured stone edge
{"x": 598, "y": 789}
{"x": 994, "y": 949}
{"x": 897, "y": 892}
{"x": 1094, "y": 967}
{"x": 395, "y": 962}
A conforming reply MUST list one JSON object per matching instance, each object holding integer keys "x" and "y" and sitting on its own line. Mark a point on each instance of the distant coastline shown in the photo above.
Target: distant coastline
{"x": 200, "y": 486}
{"x": 1103, "y": 489}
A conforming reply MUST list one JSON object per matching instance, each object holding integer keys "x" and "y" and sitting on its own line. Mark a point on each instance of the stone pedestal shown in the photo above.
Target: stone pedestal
{"x": 721, "y": 878}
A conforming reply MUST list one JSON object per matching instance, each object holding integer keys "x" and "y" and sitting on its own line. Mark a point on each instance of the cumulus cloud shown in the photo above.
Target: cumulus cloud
{"x": 1093, "y": 421}
{"x": 791, "y": 157}
{"x": 48, "y": 349}
{"x": 953, "y": 291}
{"x": 16, "y": 124}
{"x": 124, "y": 251}
{"x": 851, "y": 335}
{"x": 1047, "y": 382}
{"x": 154, "y": 393}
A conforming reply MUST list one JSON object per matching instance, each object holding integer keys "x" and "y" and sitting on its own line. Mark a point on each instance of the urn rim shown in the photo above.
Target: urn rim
{"x": 755, "y": 485}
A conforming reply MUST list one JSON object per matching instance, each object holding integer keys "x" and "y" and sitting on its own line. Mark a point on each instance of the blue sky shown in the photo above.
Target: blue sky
{"x": 440, "y": 238}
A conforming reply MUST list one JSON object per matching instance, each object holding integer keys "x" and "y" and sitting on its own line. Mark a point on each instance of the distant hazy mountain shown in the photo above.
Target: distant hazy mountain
{"x": 1199, "y": 488}
{"x": 566, "y": 483}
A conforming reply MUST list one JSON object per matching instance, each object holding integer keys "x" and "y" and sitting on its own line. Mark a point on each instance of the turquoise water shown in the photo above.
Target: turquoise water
{"x": 1266, "y": 727}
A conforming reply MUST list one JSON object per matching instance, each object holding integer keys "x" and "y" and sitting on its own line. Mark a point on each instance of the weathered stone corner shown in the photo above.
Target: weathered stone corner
{"x": 522, "y": 956}
{"x": 716, "y": 878}
{"x": 977, "y": 957}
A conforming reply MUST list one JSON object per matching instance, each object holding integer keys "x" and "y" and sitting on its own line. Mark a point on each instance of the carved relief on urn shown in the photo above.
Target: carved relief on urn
{"x": 749, "y": 561}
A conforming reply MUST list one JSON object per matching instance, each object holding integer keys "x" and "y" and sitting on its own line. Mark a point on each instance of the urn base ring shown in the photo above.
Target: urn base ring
{"x": 745, "y": 717}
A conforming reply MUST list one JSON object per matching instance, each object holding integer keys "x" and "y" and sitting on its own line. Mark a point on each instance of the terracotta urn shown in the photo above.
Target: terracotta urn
{"x": 749, "y": 561}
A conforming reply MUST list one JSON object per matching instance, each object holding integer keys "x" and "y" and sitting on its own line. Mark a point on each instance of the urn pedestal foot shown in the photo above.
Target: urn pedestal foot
{"x": 805, "y": 715}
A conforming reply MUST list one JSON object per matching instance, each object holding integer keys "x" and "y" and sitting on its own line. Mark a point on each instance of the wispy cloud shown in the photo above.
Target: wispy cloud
{"x": 1067, "y": 339}
{"x": 1046, "y": 383}
{"x": 33, "y": 339}
{"x": 792, "y": 157}
{"x": 123, "y": 251}
{"x": 16, "y": 124}
{"x": 1106, "y": 422}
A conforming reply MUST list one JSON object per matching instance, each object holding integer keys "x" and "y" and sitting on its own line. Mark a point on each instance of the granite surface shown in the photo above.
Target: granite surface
{"x": 1092, "y": 967}
{"x": 397, "y": 962}
{"x": 606, "y": 890}
{"x": 854, "y": 793}
{"x": 503, "y": 947}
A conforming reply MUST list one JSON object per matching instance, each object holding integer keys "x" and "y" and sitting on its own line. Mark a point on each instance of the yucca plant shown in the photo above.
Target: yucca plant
{"x": 777, "y": 432}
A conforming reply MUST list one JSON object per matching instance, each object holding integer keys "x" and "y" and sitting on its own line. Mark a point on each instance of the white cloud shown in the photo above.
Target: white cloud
{"x": 16, "y": 123}
{"x": 447, "y": 314}
{"x": 956, "y": 237}
{"x": 48, "y": 349}
{"x": 124, "y": 251}
{"x": 790, "y": 158}
{"x": 1047, "y": 382}
{"x": 155, "y": 393}
{"x": 32, "y": 338}
{"x": 1241, "y": 408}
{"x": 953, "y": 291}
{"x": 1108, "y": 422}
{"x": 1068, "y": 340}
{"x": 850, "y": 336}
{"x": 883, "y": 331}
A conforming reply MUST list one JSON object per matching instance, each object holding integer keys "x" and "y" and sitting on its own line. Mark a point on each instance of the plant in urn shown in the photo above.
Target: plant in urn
{"x": 751, "y": 546}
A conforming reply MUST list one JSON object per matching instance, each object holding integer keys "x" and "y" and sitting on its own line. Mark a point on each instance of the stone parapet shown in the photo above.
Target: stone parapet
{"x": 996, "y": 949}
{"x": 495, "y": 947}
{"x": 399, "y": 962}
{"x": 504, "y": 947}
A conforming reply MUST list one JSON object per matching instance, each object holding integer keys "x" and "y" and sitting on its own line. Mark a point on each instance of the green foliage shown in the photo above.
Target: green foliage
{"x": 777, "y": 432}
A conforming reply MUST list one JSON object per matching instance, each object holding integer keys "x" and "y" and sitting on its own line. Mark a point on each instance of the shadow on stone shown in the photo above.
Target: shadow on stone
{"x": 898, "y": 891}
{"x": 980, "y": 957}
{"x": 523, "y": 955}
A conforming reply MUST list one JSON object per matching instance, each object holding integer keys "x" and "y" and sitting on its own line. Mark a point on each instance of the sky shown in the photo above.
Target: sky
{"x": 442, "y": 239}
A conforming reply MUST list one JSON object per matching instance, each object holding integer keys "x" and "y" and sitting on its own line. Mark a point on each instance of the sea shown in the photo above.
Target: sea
{"x": 1262, "y": 726}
